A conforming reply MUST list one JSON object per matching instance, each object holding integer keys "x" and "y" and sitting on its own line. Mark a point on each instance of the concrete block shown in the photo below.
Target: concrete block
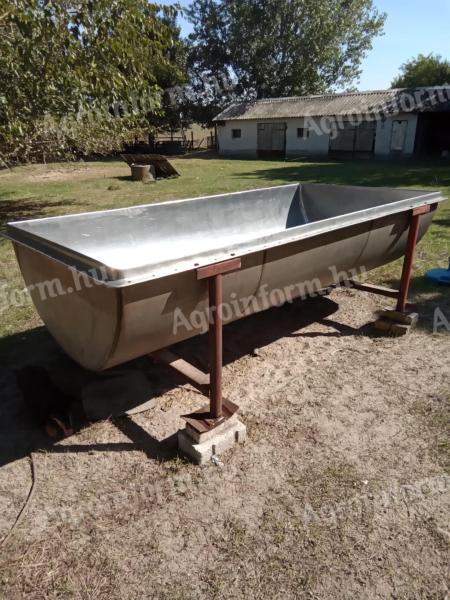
{"x": 399, "y": 317}
{"x": 392, "y": 328}
{"x": 199, "y": 438}
{"x": 222, "y": 440}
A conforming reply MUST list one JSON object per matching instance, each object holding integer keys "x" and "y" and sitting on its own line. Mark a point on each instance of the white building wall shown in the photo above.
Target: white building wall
{"x": 384, "y": 134}
{"x": 316, "y": 144}
{"x": 245, "y": 145}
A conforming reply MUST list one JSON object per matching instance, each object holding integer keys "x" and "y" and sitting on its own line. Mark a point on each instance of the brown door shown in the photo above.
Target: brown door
{"x": 354, "y": 141}
{"x": 342, "y": 140}
{"x": 271, "y": 139}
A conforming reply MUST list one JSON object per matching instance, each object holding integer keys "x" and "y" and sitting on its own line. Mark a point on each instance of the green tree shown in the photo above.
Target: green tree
{"x": 68, "y": 68}
{"x": 281, "y": 47}
{"x": 423, "y": 71}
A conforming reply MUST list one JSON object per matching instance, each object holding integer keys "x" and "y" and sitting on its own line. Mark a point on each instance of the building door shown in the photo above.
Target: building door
{"x": 365, "y": 134}
{"x": 271, "y": 139}
{"x": 342, "y": 140}
{"x": 353, "y": 141}
{"x": 398, "y": 137}
{"x": 433, "y": 134}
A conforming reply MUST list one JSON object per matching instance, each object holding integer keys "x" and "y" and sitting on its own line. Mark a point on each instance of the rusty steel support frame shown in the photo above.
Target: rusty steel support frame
{"x": 215, "y": 285}
{"x": 210, "y": 385}
{"x": 413, "y": 235}
{"x": 401, "y": 295}
{"x": 196, "y": 377}
{"x": 214, "y": 275}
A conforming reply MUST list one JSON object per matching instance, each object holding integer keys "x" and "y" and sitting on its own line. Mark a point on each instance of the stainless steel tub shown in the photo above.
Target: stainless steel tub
{"x": 141, "y": 261}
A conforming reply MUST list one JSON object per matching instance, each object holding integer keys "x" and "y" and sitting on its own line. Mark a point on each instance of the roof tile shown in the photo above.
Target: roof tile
{"x": 382, "y": 101}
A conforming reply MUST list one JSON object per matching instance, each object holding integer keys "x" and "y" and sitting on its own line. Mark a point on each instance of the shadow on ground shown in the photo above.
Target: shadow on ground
{"x": 203, "y": 154}
{"x": 371, "y": 173}
{"x": 20, "y": 209}
{"x": 442, "y": 222}
{"x": 128, "y": 178}
{"x": 428, "y": 299}
{"x": 19, "y": 436}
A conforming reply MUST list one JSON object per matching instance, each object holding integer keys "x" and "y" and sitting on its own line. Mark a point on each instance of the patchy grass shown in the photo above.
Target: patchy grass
{"x": 310, "y": 507}
{"x": 55, "y": 189}
{"x": 62, "y": 188}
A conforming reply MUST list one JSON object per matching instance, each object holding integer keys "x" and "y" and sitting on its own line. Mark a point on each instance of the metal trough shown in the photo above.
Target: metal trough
{"x": 143, "y": 262}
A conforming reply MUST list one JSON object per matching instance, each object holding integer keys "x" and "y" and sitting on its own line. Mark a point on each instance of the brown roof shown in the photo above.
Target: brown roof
{"x": 388, "y": 101}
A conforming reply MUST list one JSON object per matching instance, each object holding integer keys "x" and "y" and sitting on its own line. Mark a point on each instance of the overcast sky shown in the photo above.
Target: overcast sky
{"x": 412, "y": 27}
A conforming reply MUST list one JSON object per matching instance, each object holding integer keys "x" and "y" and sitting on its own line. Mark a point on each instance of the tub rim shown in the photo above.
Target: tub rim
{"x": 118, "y": 278}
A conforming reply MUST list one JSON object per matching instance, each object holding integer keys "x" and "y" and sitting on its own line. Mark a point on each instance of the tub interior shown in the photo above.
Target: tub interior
{"x": 149, "y": 235}
{"x": 323, "y": 201}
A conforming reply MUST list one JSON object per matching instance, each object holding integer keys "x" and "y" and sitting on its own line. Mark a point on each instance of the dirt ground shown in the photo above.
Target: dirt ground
{"x": 341, "y": 491}
{"x": 74, "y": 173}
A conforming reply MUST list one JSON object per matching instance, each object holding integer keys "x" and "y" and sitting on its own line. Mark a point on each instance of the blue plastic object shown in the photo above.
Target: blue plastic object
{"x": 439, "y": 276}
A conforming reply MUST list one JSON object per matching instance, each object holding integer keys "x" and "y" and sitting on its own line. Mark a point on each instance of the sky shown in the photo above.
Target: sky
{"x": 412, "y": 27}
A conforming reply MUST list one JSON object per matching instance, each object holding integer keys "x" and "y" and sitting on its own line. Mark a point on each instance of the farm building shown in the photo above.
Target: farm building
{"x": 356, "y": 125}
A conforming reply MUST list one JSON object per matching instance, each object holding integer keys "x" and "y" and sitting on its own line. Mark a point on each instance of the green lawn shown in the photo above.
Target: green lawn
{"x": 55, "y": 189}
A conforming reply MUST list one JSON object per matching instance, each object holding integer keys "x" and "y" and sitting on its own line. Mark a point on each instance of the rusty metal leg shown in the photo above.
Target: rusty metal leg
{"x": 405, "y": 281}
{"x": 215, "y": 345}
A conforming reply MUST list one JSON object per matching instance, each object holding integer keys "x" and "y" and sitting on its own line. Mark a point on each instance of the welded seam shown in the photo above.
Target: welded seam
{"x": 118, "y": 329}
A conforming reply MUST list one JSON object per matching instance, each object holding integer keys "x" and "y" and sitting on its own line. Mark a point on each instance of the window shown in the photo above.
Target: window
{"x": 303, "y": 132}
{"x": 235, "y": 133}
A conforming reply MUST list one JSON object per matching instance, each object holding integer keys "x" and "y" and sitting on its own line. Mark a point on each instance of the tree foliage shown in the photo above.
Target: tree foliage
{"x": 422, "y": 71}
{"x": 68, "y": 67}
{"x": 281, "y": 47}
